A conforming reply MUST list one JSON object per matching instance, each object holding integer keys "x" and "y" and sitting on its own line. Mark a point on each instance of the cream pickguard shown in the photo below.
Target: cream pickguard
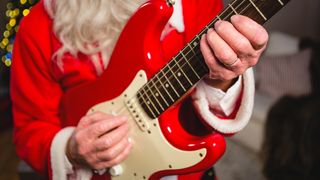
{"x": 150, "y": 147}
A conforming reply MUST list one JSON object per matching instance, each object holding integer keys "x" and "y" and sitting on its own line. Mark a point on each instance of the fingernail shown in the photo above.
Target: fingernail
{"x": 235, "y": 18}
{"x": 217, "y": 24}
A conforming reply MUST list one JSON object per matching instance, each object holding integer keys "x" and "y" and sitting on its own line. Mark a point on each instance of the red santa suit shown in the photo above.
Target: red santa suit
{"x": 38, "y": 83}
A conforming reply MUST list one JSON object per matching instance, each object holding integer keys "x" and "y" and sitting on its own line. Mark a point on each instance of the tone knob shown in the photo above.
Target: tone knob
{"x": 116, "y": 170}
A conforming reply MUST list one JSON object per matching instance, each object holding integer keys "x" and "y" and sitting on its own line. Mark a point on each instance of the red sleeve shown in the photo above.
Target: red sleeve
{"x": 35, "y": 93}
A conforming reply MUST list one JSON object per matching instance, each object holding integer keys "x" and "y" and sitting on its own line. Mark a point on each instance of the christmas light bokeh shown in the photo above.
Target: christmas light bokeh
{"x": 16, "y": 9}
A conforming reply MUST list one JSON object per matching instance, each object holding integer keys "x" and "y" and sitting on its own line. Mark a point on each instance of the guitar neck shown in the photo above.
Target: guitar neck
{"x": 188, "y": 67}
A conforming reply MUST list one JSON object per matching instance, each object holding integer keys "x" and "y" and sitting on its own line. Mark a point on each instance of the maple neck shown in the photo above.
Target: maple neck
{"x": 188, "y": 67}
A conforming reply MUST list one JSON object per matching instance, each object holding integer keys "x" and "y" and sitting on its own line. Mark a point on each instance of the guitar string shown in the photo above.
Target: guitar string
{"x": 187, "y": 53}
{"x": 197, "y": 51}
{"x": 123, "y": 108}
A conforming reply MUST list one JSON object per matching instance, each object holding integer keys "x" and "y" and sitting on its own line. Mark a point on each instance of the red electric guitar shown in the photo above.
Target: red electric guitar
{"x": 151, "y": 95}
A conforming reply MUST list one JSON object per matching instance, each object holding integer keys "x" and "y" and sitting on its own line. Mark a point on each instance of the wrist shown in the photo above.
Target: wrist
{"x": 220, "y": 84}
{"x": 69, "y": 154}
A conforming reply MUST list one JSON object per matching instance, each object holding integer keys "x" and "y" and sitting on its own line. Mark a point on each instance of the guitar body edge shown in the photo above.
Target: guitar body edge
{"x": 139, "y": 48}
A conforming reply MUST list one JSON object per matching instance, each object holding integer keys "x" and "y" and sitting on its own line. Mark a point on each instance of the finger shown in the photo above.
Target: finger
{"x": 238, "y": 42}
{"x": 103, "y": 126}
{"x": 207, "y": 52}
{"x": 113, "y": 151}
{"x": 217, "y": 70}
{"x": 222, "y": 51}
{"x": 117, "y": 160}
{"x": 90, "y": 119}
{"x": 110, "y": 139}
{"x": 253, "y": 31}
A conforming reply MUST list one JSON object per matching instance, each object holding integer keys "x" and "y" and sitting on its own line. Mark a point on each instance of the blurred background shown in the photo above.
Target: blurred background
{"x": 279, "y": 141}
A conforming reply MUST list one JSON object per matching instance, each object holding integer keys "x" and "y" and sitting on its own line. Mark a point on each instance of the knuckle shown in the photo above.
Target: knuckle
{"x": 108, "y": 156}
{"x": 209, "y": 61}
{"x": 98, "y": 115}
{"x": 78, "y": 138}
{"x": 242, "y": 45}
{"x": 102, "y": 127}
{"x": 222, "y": 26}
{"x": 253, "y": 62}
{"x": 107, "y": 142}
{"x": 262, "y": 36}
{"x": 82, "y": 151}
{"x": 85, "y": 119}
{"x": 260, "y": 39}
{"x": 225, "y": 55}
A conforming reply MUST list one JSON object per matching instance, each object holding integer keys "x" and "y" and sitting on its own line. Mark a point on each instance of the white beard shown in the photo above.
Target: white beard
{"x": 93, "y": 26}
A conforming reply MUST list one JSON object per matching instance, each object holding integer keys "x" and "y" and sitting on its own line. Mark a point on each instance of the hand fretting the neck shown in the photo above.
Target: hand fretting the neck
{"x": 188, "y": 67}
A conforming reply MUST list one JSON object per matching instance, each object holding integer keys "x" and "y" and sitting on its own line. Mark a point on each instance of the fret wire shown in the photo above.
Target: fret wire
{"x": 225, "y": 11}
{"x": 189, "y": 63}
{"x": 146, "y": 104}
{"x": 281, "y": 2}
{"x": 258, "y": 10}
{"x": 171, "y": 84}
{"x": 177, "y": 78}
{"x": 174, "y": 65}
{"x": 204, "y": 66}
{"x": 164, "y": 87}
{"x": 174, "y": 59}
{"x": 160, "y": 93}
{"x": 201, "y": 61}
{"x": 212, "y": 23}
{"x": 218, "y": 16}
{"x": 197, "y": 36}
{"x": 207, "y": 28}
{"x": 155, "y": 97}
{"x": 151, "y": 100}
{"x": 232, "y": 8}
{"x": 184, "y": 55}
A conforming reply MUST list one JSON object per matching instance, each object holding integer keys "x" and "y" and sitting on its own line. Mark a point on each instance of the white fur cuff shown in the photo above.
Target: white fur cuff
{"x": 61, "y": 167}
{"x": 229, "y": 126}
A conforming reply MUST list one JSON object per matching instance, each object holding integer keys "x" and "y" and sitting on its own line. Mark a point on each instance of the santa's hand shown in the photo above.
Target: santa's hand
{"x": 232, "y": 47}
{"x": 99, "y": 141}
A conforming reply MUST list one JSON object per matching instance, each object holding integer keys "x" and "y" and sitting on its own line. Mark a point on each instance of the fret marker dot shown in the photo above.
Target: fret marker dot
{"x": 157, "y": 94}
{"x": 195, "y": 44}
{"x": 179, "y": 74}
{"x": 167, "y": 85}
{"x": 148, "y": 102}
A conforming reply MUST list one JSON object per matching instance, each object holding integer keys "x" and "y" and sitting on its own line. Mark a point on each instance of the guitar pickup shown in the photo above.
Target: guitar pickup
{"x": 137, "y": 114}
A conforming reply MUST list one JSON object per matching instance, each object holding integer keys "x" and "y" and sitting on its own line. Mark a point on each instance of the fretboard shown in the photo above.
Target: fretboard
{"x": 187, "y": 68}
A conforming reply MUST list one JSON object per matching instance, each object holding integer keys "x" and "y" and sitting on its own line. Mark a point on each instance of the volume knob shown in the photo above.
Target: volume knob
{"x": 116, "y": 170}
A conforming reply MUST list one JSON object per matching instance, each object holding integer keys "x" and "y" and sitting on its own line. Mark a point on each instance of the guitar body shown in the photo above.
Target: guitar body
{"x": 162, "y": 146}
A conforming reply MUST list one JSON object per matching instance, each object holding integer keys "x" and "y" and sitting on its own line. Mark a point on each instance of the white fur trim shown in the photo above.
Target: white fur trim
{"x": 229, "y": 126}
{"x": 61, "y": 167}
{"x": 176, "y": 19}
